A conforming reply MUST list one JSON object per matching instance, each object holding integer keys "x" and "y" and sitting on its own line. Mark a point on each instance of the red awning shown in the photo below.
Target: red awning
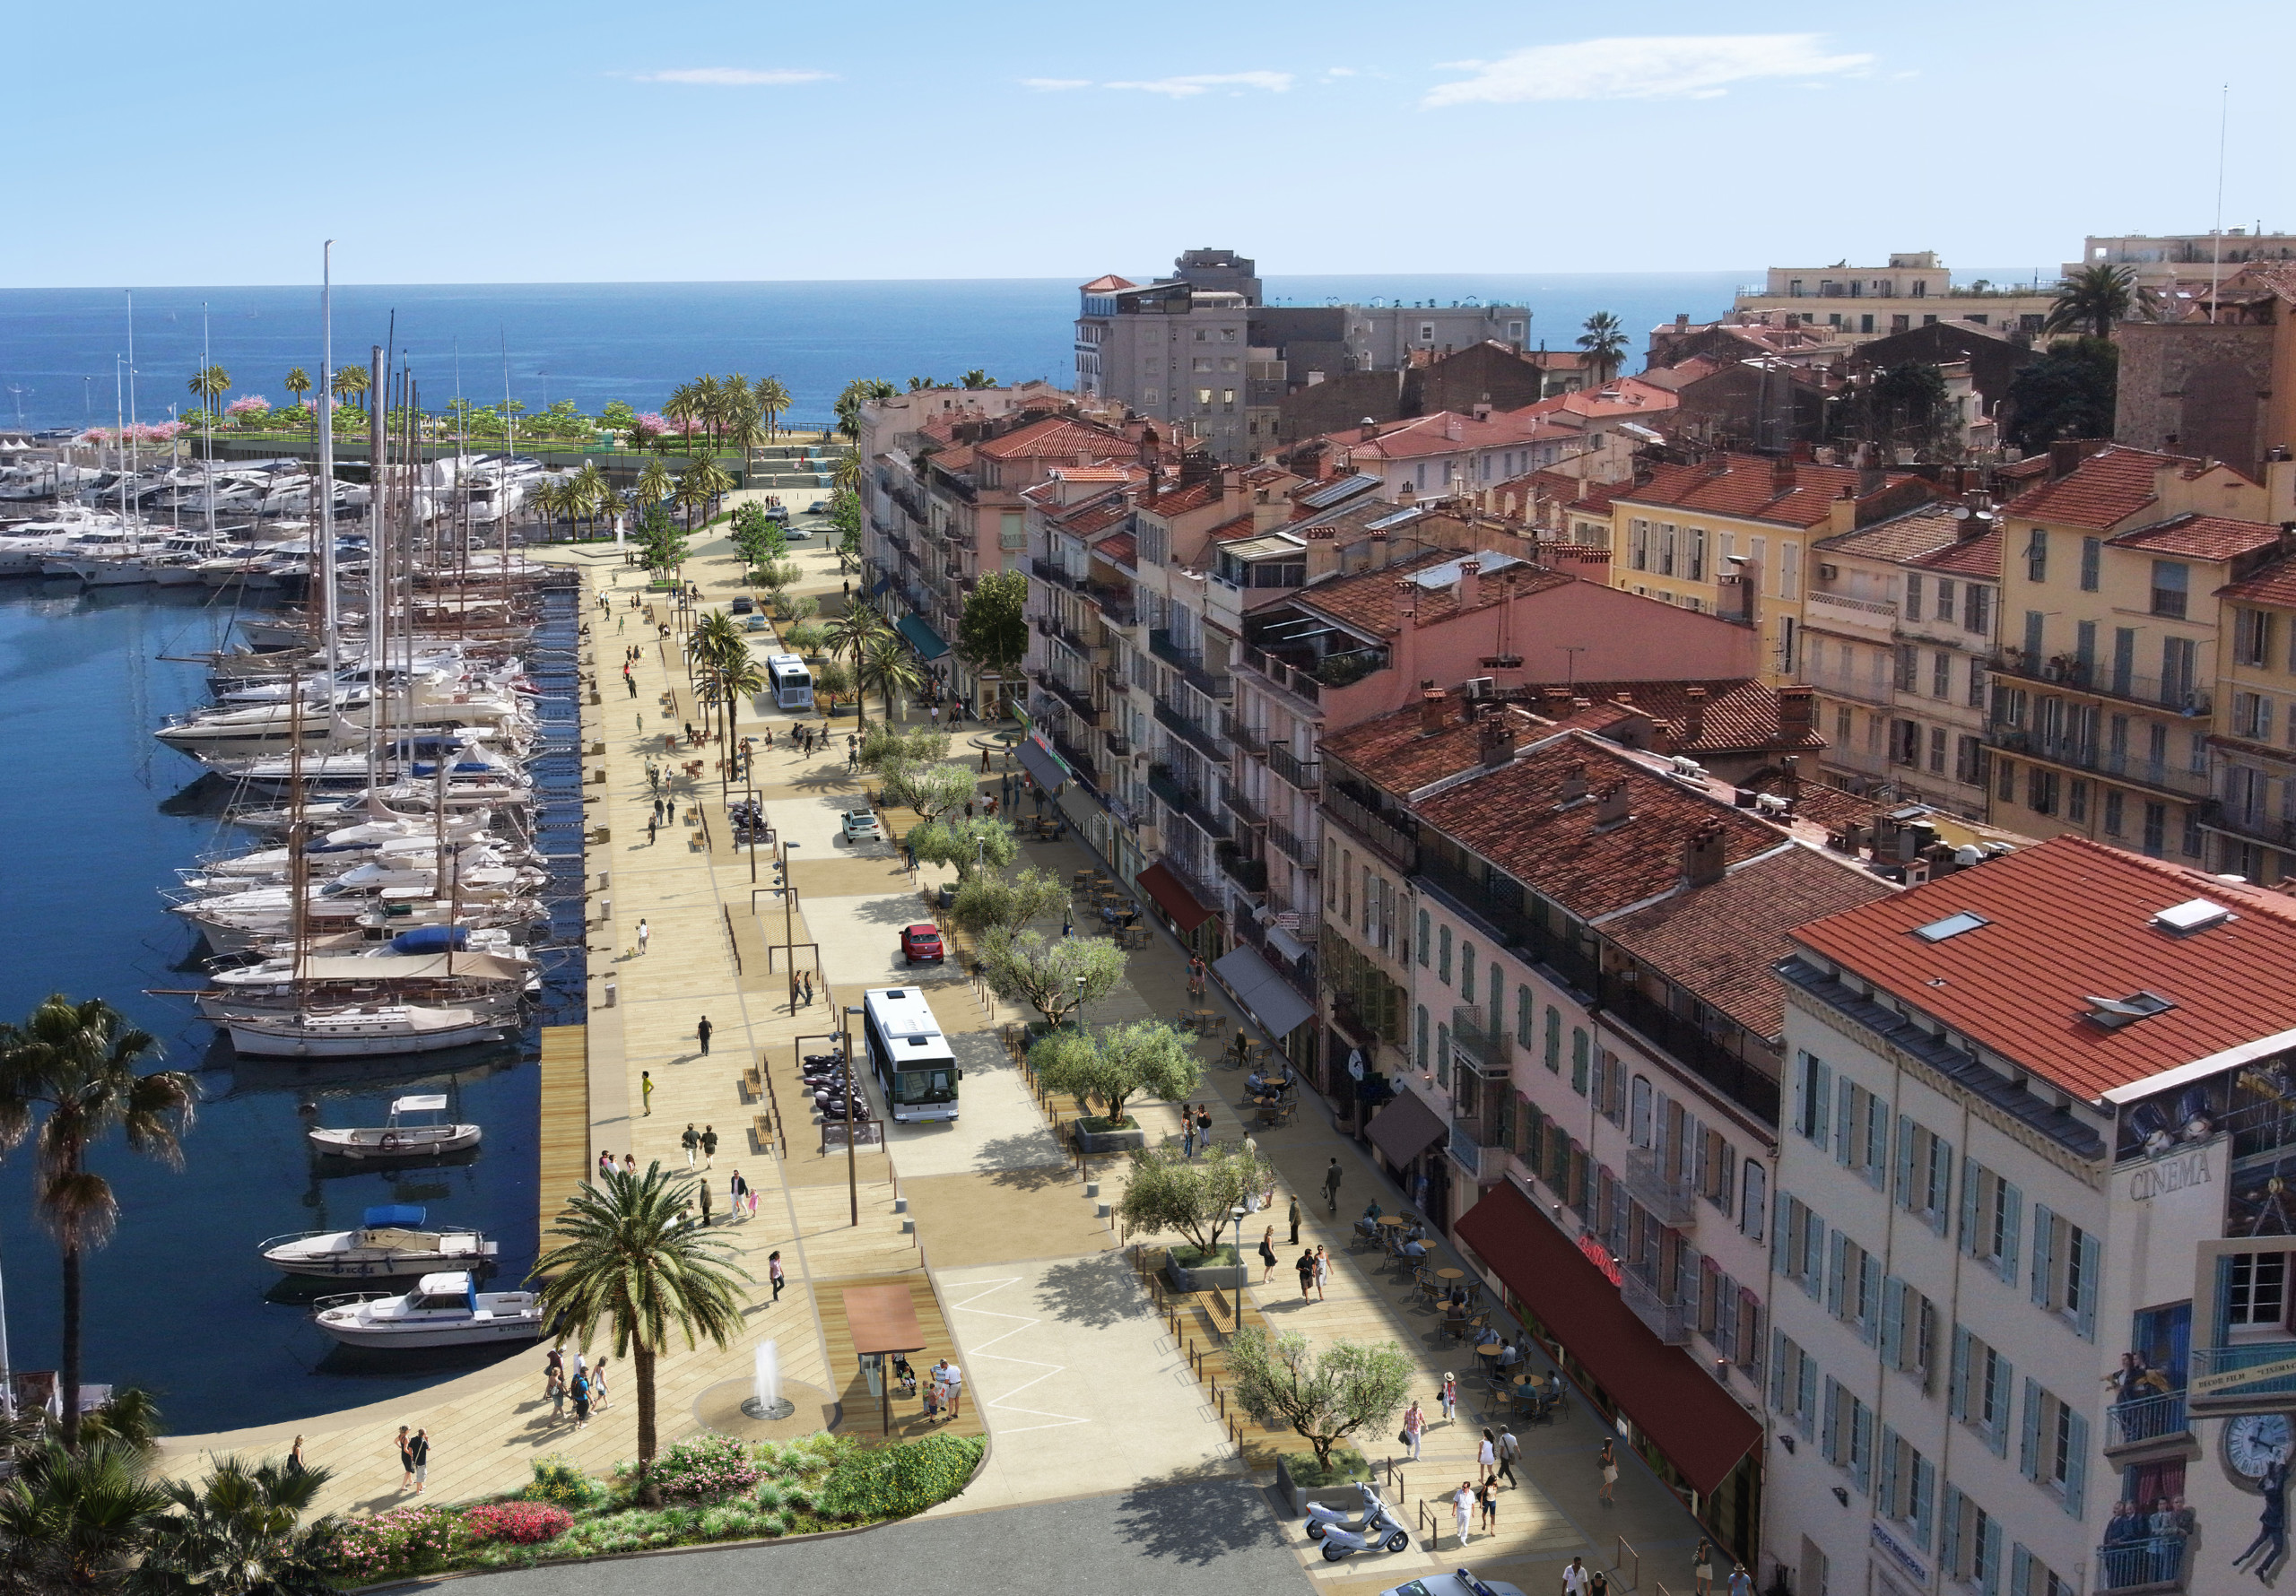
{"x": 1176, "y": 900}
{"x": 1686, "y": 1413}
{"x": 1405, "y": 1129}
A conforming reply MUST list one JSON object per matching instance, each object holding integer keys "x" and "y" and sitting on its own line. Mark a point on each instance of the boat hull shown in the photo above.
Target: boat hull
{"x": 376, "y": 1144}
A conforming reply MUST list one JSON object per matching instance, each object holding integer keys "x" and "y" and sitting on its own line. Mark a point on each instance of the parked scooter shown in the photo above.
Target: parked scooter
{"x": 1383, "y": 1532}
{"x": 1321, "y": 1518}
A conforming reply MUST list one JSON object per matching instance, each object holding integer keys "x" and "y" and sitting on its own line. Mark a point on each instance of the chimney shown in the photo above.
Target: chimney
{"x": 1431, "y": 702}
{"x": 1702, "y": 859}
{"x": 1573, "y": 789}
{"x": 1781, "y": 476}
{"x": 1797, "y": 714}
{"x": 1611, "y": 805}
{"x": 1693, "y": 714}
{"x": 1367, "y": 430}
{"x": 1789, "y": 778}
{"x": 1555, "y": 702}
{"x": 1482, "y": 409}
{"x": 1470, "y": 583}
{"x": 1494, "y": 737}
{"x": 1454, "y": 429}
{"x": 2065, "y": 457}
{"x": 1681, "y": 321}
{"x": 1155, "y": 481}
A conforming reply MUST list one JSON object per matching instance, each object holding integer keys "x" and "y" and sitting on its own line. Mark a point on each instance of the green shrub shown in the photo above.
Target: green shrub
{"x": 557, "y": 1479}
{"x": 899, "y": 1480}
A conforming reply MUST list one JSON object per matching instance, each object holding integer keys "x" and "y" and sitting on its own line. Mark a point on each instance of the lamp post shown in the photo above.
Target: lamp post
{"x": 1080, "y": 1005}
{"x": 789, "y": 932}
{"x": 852, "y": 1083}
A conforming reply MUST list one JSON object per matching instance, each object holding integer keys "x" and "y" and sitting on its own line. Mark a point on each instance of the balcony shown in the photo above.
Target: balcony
{"x": 1189, "y": 664}
{"x": 1659, "y": 1029}
{"x": 1243, "y": 737}
{"x": 1672, "y": 1200}
{"x": 1390, "y": 842}
{"x": 1472, "y": 1152}
{"x": 1192, "y": 731}
{"x": 2150, "y": 1426}
{"x": 1117, "y": 605}
{"x": 1251, "y": 875}
{"x": 2084, "y": 754}
{"x": 2068, "y": 670}
{"x": 1242, "y": 808}
{"x": 1306, "y": 775}
{"x": 1044, "y": 570}
{"x": 1182, "y": 799}
{"x": 1668, "y": 1320}
{"x": 1291, "y": 845}
{"x": 1298, "y": 683}
{"x": 1480, "y": 1042}
{"x": 2253, "y": 823}
{"x": 2231, "y": 1379}
{"x": 1881, "y": 691}
{"x": 1501, "y": 912}
{"x": 1849, "y": 617}
{"x": 2141, "y": 1567}
{"x": 1078, "y": 699}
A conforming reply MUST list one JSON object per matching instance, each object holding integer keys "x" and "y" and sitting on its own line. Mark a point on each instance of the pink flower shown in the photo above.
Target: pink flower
{"x": 249, "y": 404}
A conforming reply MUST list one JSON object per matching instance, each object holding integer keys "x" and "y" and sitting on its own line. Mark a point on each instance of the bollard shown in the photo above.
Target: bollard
{"x": 1092, "y": 1189}
{"x": 900, "y": 1205}
{"x": 606, "y": 910}
{"x": 605, "y": 881}
{"x": 610, "y": 992}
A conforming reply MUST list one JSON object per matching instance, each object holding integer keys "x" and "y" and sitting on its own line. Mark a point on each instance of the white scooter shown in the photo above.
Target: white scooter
{"x": 1343, "y": 1534}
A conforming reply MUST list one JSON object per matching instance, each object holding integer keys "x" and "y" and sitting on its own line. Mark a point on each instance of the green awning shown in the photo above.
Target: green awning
{"x": 921, "y": 638}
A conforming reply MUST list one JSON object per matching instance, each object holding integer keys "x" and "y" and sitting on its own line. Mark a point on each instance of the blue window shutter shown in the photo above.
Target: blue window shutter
{"x": 1778, "y": 1394}
{"x": 2012, "y": 1222}
{"x": 1869, "y": 1296}
{"x": 1861, "y": 1446}
{"x": 1836, "y": 1259}
{"x": 2007, "y": 1386}
{"x": 1809, "y": 1392}
{"x": 1941, "y": 1180}
{"x": 1957, "y": 1386}
{"x": 1813, "y": 1252}
{"x": 1885, "y": 1475}
{"x": 2020, "y": 1571}
{"x": 1893, "y": 1323}
{"x": 2077, "y": 1468}
{"x": 1949, "y": 1545}
{"x": 1924, "y": 1512}
{"x": 1821, "y": 1102}
{"x": 1844, "y": 1133}
{"x": 1778, "y": 1233}
{"x": 1904, "y": 1192}
{"x": 2044, "y": 1241}
{"x": 2092, "y": 1284}
{"x": 1877, "y": 1147}
{"x": 1801, "y": 1087}
{"x": 1830, "y": 1445}
{"x": 1970, "y": 1174}
{"x": 2029, "y": 1447}
{"x": 1989, "y": 1550}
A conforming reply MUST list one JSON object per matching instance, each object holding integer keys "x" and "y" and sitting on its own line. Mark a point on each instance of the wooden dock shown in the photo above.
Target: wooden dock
{"x": 563, "y": 1161}
{"x": 863, "y": 1415}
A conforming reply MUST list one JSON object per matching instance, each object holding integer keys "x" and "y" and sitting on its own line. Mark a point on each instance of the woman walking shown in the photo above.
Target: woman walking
{"x": 1450, "y": 1397}
{"x": 1486, "y": 1456}
{"x": 598, "y": 1386}
{"x": 1415, "y": 1426}
{"x": 1323, "y": 1271}
{"x": 1608, "y": 1462}
{"x": 1486, "y": 1496}
{"x": 581, "y": 1393}
{"x": 295, "y": 1458}
{"x": 1267, "y": 1255}
{"x": 1701, "y": 1569}
{"x": 406, "y": 1461}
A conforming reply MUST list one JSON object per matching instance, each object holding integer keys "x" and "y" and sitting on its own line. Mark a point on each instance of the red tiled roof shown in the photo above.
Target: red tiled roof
{"x": 1723, "y": 940}
{"x": 1055, "y": 437}
{"x": 1978, "y": 556}
{"x": 1228, "y": 532}
{"x": 2071, "y": 919}
{"x": 1108, "y": 284}
{"x": 2202, "y": 537}
{"x": 1370, "y": 602}
{"x": 1512, "y": 818}
{"x": 1746, "y": 487}
{"x": 2102, "y": 491}
{"x": 955, "y": 460}
{"x": 1394, "y": 753}
{"x": 2274, "y": 583}
{"x": 1176, "y": 501}
{"x": 1909, "y": 537}
{"x": 1741, "y": 713}
{"x": 1098, "y": 516}
{"x": 1123, "y": 549}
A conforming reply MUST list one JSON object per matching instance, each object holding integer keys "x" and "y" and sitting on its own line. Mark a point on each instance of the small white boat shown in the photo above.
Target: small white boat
{"x": 365, "y": 1032}
{"x": 443, "y": 1310}
{"x": 394, "y": 1140}
{"x": 389, "y": 1242}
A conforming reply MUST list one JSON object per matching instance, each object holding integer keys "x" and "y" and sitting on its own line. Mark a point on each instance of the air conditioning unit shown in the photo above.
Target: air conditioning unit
{"x": 1479, "y": 687}
{"x": 1827, "y": 573}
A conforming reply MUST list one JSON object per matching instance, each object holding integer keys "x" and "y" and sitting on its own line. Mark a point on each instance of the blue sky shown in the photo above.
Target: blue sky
{"x": 684, "y": 140}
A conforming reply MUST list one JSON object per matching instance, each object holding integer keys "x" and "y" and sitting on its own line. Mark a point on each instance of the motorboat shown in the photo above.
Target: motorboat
{"x": 443, "y": 1310}
{"x": 389, "y": 1241}
{"x": 374, "y": 1031}
{"x": 397, "y": 1139}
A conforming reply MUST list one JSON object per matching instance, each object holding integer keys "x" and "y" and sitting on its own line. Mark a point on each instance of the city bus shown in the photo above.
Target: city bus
{"x": 788, "y": 681}
{"x": 908, "y": 1055}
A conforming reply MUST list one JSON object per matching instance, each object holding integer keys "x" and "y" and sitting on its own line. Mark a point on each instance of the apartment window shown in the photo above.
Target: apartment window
{"x": 1976, "y": 686}
{"x": 2115, "y": 820}
{"x": 1524, "y": 1008}
{"x": 2252, "y": 636}
{"x": 1227, "y": 334}
{"x": 1667, "y": 549}
{"x": 1610, "y": 1088}
{"x": 1909, "y": 1333}
{"x": 2040, "y": 790}
{"x": 1579, "y": 1059}
{"x": 2252, "y": 716}
{"x": 1151, "y": 397}
{"x": 1754, "y": 1198}
{"x": 2256, "y": 1290}
{"x": 1913, "y": 598}
{"x": 1945, "y": 607}
{"x": 1941, "y": 675}
{"x": 1204, "y": 398}
{"x": 2172, "y": 579}
{"x": 1846, "y": 1436}
{"x": 1979, "y": 1394}
{"x": 1694, "y": 538}
{"x": 1976, "y": 610}
{"x": 1841, "y": 724}
{"x": 1909, "y": 667}
{"x": 1969, "y": 766}
{"x": 2077, "y": 802}
{"x": 1798, "y": 1245}
{"x": 1936, "y": 750}
{"x": 2093, "y": 553}
{"x": 1793, "y": 1381}
{"x": 1423, "y": 938}
{"x": 1813, "y": 1097}
{"x": 1861, "y": 1139}
{"x": 1970, "y": 1543}
{"x": 2036, "y": 623}
{"x": 1906, "y": 1487}
{"x": 2155, "y": 840}
{"x": 1442, "y": 1053}
{"x": 1427, "y": 331}
{"x": 1638, "y": 543}
{"x": 1419, "y": 1039}
{"x": 1467, "y": 970}
{"x": 1228, "y": 396}
{"x": 1638, "y": 1112}
{"x": 1854, "y": 1286}
{"x": 2037, "y": 556}
{"x": 2007, "y": 785}
{"x": 2054, "y": 1448}
{"x": 1554, "y": 1038}
{"x": 1203, "y": 363}
{"x": 2029, "y": 1576}
{"x": 1905, "y": 743}
{"x": 1790, "y": 581}
{"x": 2189, "y": 844}
{"x": 1443, "y": 955}
{"x": 1925, "y": 1174}
{"x": 1993, "y": 1217}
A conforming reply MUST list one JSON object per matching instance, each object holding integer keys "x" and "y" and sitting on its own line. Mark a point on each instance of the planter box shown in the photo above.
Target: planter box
{"x": 1297, "y": 1496}
{"x": 1106, "y": 1142}
{"x": 1221, "y": 1277}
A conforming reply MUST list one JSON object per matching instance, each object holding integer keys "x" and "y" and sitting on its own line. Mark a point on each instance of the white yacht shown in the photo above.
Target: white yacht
{"x": 443, "y": 1310}
{"x": 396, "y": 1137}
{"x": 390, "y": 1240}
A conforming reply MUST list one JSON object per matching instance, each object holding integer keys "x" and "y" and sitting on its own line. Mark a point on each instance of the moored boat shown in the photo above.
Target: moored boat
{"x": 390, "y": 1241}
{"x": 443, "y": 1310}
{"x": 394, "y": 1139}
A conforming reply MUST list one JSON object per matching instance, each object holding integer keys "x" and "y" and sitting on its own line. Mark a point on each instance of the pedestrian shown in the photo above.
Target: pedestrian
{"x": 653, "y": 825}
{"x": 1486, "y": 1496}
{"x": 1462, "y": 1510}
{"x": 708, "y": 1146}
{"x": 1509, "y": 1449}
{"x": 1292, "y": 1214}
{"x": 1415, "y": 1426}
{"x": 773, "y": 1270}
{"x": 936, "y": 716}
{"x": 598, "y": 1386}
{"x": 606, "y": 1163}
{"x": 1701, "y": 1569}
{"x": 405, "y": 1461}
{"x": 581, "y": 1392}
{"x": 1323, "y": 1271}
{"x": 553, "y": 1373}
{"x": 1204, "y": 1127}
{"x": 1608, "y": 1463}
{"x": 630, "y": 682}
{"x": 983, "y": 761}
{"x": 705, "y": 1205}
{"x": 1598, "y": 1583}
{"x": 1268, "y": 1256}
{"x": 1307, "y": 1267}
{"x": 1742, "y": 1584}
{"x": 1574, "y": 1578}
{"x": 702, "y": 1034}
{"x": 645, "y": 1094}
{"x": 295, "y": 1457}
{"x": 418, "y": 1456}
{"x": 954, "y": 1378}
{"x": 691, "y": 1142}
{"x": 808, "y": 978}
{"x": 1449, "y": 1397}
{"x": 737, "y": 1190}
{"x": 1187, "y": 1131}
{"x": 645, "y": 935}
{"x": 1486, "y": 1454}
{"x": 629, "y": 1164}
{"x": 1331, "y": 1185}
{"x": 936, "y": 1393}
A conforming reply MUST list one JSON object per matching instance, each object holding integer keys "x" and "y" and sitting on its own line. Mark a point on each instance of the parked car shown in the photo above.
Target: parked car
{"x": 756, "y": 623}
{"x": 796, "y": 534}
{"x": 742, "y": 606}
{"x": 777, "y": 512}
{"x": 922, "y": 941}
{"x": 1461, "y": 1582}
{"x": 861, "y": 825}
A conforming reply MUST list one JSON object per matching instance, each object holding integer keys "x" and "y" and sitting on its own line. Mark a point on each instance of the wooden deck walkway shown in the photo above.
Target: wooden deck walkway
{"x": 862, "y": 1420}
{"x": 563, "y": 1159}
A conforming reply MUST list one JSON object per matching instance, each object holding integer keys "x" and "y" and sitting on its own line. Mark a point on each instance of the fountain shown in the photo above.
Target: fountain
{"x": 765, "y": 1398}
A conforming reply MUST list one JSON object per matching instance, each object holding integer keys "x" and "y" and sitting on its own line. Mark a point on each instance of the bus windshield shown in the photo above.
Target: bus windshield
{"x": 926, "y": 1086}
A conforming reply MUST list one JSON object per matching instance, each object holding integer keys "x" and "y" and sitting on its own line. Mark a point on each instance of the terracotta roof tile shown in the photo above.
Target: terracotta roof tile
{"x": 1178, "y": 502}
{"x": 1108, "y": 284}
{"x": 1370, "y": 603}
{"x": 2067, "y": 920}
{"x": 1928, "y": 530}
{"x": 1740, "y": 716}
{"x": 2274, "y": 583}
{"x": 1055, "y": 438}
{"x": 2102, "y": 491}
{"x": 1979, "y": 557}
{"x": 1123, "y": 549}
{"x": 2202, "y": 537}
{"x": 1393, "y": 752}
{"x": 1723, "y": 940}
{"x": 1745, "y": 487}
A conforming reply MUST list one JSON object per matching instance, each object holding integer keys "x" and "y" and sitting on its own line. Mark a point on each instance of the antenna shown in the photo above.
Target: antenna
{"x": 2216, "y": 253}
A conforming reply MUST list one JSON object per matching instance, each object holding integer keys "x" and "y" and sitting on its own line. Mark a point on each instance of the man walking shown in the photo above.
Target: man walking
{"x": 646, "y": 1090}
{"x": 691, "y": 1142}
{"x": 418, "y": 1457}
{"x": 708, "y": 1146}
{"x": 1187, "y": 1131}
{"x": 705, "y": 1205}
{"x": 1332, "y": 1177}
{"x": 1509, "y": 1449}
{"x": 702, "y": 1034}
{"x": 737, "y": 1192}
{"x": 1295, "y": 1217}
{"x": 1574, "y": 1578}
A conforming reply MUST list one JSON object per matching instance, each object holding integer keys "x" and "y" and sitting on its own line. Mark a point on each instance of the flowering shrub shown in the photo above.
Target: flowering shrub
{"x": 708, "y": 1466}
{"x": 407, "y": 1539}
{"x": 526, "y": 1523}
{"x": 558, "y": 1480}
{"x": 251, "y": 404}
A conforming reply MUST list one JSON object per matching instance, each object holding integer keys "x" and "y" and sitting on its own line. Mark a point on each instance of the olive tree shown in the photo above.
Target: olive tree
{"x": 887, "y": 748}
{"x": 1324, "y": 1395}
{"x": 933, "y": 791}
{"x": 988, "y": 906}
{"x": 968, "y": 845}
{"x": 1052, "y": 975}
{"x": 1170, "y": 1191}
{"x": 1116, "y": 1062}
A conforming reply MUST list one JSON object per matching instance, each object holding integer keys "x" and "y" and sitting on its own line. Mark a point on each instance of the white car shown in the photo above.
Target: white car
{"x": 862, "y": 825}
{"x": 1459, "y": 1582}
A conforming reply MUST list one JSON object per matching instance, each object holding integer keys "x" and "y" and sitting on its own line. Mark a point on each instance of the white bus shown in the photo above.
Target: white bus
{"x": 908, "y": 1055}
{"x": 788, "y": 681}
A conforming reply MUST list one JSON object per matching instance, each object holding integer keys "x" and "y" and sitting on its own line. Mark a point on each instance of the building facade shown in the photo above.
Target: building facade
{"x": 1914, "y": 290}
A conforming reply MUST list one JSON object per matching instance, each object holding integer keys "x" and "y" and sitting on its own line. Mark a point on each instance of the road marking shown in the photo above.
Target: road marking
{"x": 979, "y": 1351}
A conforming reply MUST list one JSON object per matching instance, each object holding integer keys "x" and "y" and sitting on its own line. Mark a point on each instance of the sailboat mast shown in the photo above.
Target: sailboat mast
{"x": 208, "y": 425}
{"x": 131, "y": 391}
{"x": 377, "y": 496}
{"x": 327, "y": 596}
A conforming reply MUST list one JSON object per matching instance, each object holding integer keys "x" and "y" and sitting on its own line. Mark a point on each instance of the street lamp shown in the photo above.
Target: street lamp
{"x": 1080, "y": 1005}
{"x": 852, "y": 1175}
{"x": 789, "y": 932}
{"x": 1236, "y": 1213}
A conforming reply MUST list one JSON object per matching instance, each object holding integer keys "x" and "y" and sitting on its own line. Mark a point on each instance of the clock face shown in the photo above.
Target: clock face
{"x": 2254, "y": 1442}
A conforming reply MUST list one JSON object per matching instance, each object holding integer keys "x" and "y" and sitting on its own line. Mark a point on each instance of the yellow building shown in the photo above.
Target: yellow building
{"x": 1730, "y": 536}
{"x": 2105, "y": 692}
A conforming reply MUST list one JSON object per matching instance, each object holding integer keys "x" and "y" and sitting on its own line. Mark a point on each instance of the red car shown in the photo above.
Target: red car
{"x": 922, "y": 941}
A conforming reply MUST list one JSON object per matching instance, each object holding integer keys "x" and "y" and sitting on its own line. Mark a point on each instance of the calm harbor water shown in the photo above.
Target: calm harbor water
{"x": 100, "y": 816}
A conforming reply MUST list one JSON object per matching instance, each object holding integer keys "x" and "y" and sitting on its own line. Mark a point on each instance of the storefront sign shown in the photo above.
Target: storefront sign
{"x": 2217, "y": 1380}
{"x": 1600, "y": 1257}
{"x": 2166, "y": 1177}
{"x": 1898, "y": 1557}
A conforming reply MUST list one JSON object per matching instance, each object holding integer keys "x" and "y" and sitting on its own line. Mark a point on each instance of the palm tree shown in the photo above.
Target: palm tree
{"x": 299, "y": 383}
{"x": 691, "y": 495}
{"x": 860, "y": 391}
{"x": 711, "y": 482}
{"x": 709, "y": 404}
{"x": 716, "y": 644}
{"x": 351, "y": 381}
{"x": 210, "y": 382}
{"x": 240, "y": 1533}
{"x": 887, "y": 668}
{"x": 846, "y": 473}
{"x": 73, "y": 1521}
{"x": 1604, "y": 341}
{"x": 977, "y": 379}
{"x": 78, "y": 1061}
{"x": 746, "y": 430}
{"x": 2094, "y": 297}
{"x": 632, "y": 1261}
{"x": 654, "y": 484}
{"x": 589, "y": 491}
{"x": 683, "y": 406}
{"x": 772, "y": 402}
{"x": 853, "y": 635}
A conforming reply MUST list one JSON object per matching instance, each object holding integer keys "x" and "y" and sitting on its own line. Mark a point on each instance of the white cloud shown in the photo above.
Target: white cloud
{"x": 736, "y": 77}
{"x": 1339, "y": 72}
{"x": 1184, "y": 88}
{"x": 1052, "y": 85}
{"x": 1687, "y": 66}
